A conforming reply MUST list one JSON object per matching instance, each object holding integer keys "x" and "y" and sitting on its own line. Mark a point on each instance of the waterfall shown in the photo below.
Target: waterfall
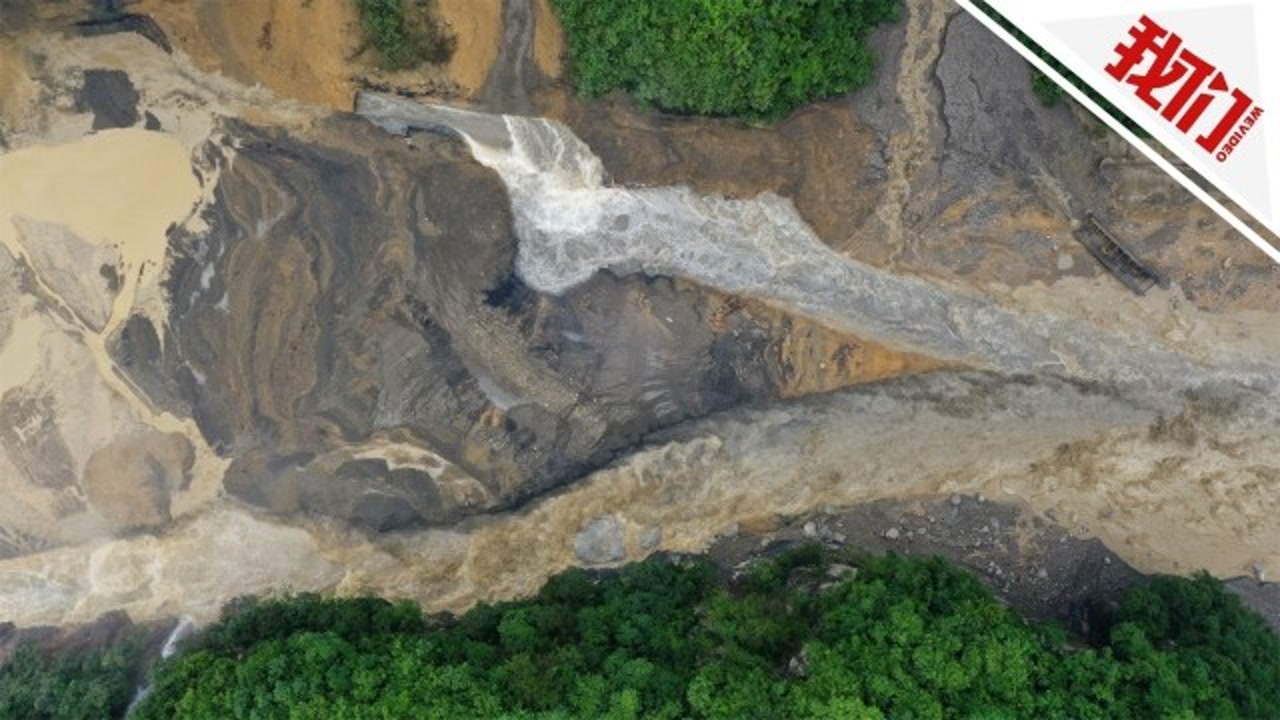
{"x": 570, "y": 224}
{"x": 186, "y": 625}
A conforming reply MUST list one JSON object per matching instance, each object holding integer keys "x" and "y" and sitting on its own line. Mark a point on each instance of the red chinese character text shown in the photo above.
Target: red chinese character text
{"x": 1198, "y": 82}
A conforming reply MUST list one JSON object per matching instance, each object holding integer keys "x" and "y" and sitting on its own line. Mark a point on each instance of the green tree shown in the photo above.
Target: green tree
{"x": 898, "y": 638}
{"x": 95, "y": 684}
{"x": 405, "y": 33}
{"x": 757, "y": 59}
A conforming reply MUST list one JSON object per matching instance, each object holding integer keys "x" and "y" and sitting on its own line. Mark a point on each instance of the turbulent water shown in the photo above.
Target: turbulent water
{"x": 186, "y": 625}
{"x": 571, "y": 224}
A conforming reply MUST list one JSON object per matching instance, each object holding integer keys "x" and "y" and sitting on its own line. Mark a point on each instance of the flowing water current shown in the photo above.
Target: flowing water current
{"x": 185, "y": 627}
{"x": 571, "y": 224}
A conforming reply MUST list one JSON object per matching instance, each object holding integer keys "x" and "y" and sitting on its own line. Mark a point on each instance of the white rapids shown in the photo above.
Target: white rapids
{"x": 571, "y": 224}
{"x": 186, "y": 625}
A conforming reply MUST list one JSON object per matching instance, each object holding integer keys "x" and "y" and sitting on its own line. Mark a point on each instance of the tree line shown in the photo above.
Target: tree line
{"x": 810, "y": 634}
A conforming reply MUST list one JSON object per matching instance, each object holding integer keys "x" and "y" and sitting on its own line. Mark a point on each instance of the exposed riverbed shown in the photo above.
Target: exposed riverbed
{"x": 250, "y": 345}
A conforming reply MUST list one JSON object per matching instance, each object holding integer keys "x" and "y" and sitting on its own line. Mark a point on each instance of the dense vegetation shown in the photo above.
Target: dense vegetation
{"x": 87, "y": 686}
{"x": 405, "y": 33}
{"x": 895, "y": 638}
{"x": 758, "y": 59}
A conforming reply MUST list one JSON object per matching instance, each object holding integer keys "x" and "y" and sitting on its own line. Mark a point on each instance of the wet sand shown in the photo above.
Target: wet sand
{"x": 122, "y": 189}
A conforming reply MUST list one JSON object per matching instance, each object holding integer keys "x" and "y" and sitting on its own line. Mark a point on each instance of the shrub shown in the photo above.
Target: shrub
{"x": 1045, "y": 88}
{"x": 757, "y": 59}
{"x": 404, "y": 32}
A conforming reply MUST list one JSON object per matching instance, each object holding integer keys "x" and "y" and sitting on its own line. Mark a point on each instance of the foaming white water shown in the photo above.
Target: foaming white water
{"x": 186, "y": 625}
{"x": 571, "y": 224}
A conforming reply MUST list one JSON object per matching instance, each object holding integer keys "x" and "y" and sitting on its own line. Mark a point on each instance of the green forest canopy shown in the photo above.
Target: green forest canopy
{"x": 87, "y": 686}
{"x": 660, "y": 639}
{"x": 757, "y": 59}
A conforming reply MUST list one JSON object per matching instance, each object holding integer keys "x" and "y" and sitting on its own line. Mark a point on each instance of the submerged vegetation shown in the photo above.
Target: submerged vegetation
{"x": 757, "y": 59}
{"x": 405, "y": 33}
{"x": 892, "y": 637}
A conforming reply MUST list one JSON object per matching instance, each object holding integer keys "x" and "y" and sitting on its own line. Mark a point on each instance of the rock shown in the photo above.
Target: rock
{"x": 798, "y": 666}
{"x": 892, "y": 533}
{"x": 351, "y": 334}
{"x": 1261, "y": 597}
{"x": 600, "y": 541}
{"x": 839, "y": 570}
{"x": 650, "y": 538}
{"x": 955, "y": 501}
{"x": 1043, "y": 574}
{"x": 1065, "y": 262}
{"x": 730, "y": 531}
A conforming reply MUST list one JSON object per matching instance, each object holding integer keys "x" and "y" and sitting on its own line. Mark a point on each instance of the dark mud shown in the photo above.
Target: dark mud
{"x": 109, "y": 629}
{"x": 111, "y": 97}
{"x": 357, "y": 291}
{"x": 110, "y": 20}
{"x": 506, "y": 89}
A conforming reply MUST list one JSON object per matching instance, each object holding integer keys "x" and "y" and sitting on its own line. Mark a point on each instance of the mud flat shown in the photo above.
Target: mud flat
{"x": 113, "y": 196}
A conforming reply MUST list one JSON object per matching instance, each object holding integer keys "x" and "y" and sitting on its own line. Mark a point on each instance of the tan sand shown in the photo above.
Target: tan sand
{"x": 477, "y": 25}
{"x": 119, "y": 187}
{"x": 20, "y": 353}
{"x": 301, "y": 50}
{"x": 122, "y": 188}
{"x": 548, "y": 40}
{"x": 311, "y": 51}
{"x": 15, "y": 87}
